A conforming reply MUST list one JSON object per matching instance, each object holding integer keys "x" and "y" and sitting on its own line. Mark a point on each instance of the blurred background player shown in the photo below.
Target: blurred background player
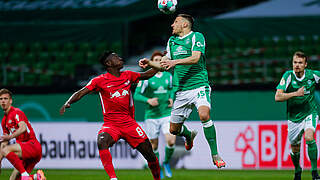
{"x": 118, "y": 111}
{"x": 186, "y": 52}
{"x": 297, "y": 87}
{"x": 26, "y": 152}
{"x": 157, "y": 93}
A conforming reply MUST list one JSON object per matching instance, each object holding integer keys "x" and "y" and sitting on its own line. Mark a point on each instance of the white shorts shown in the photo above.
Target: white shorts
{"x": 186, "y": 100}
{"x": 296, "y": 130}
{"x": 153, "y": 127}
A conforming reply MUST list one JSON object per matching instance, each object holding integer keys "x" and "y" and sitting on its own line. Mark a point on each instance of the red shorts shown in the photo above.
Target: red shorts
{"x": 133, "y": 134}
{"x": 31, "y": 153}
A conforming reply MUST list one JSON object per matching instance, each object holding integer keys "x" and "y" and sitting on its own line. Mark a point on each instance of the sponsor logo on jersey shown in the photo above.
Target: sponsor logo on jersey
{"x": 179, "y": 51}
{"x": 118, "y": 94}
{"x": 160, "y": 90}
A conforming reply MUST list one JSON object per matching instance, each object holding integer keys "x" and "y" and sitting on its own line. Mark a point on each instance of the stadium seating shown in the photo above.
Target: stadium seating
{"x": 245, "y": 61}
{"x": 38, "y": 63}
{"x": 230, "y": 61}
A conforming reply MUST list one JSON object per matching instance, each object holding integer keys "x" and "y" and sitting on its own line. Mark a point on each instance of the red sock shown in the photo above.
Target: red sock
{"x": 16, "y": 162}
{"x": 155, "y": 169}
{"x": 106, "y": 160}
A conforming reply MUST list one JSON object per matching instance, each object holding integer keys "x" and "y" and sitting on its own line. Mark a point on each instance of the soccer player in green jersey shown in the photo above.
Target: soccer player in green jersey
{"x": 156, "y": 92}
{"x": 297, "y": 87}
{"x": 186, "y": 53}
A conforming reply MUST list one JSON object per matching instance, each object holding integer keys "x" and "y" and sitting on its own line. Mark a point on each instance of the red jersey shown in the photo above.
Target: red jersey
{"x": 10, "y": 123}
{"x": 115, "y": 95}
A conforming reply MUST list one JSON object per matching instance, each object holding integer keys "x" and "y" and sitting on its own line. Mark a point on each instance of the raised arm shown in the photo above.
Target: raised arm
{"x": 282, "y": 96}
{"x": 74, "y": 98}
{"x": 155, "y": 67}
{"x": 193, "y": 59}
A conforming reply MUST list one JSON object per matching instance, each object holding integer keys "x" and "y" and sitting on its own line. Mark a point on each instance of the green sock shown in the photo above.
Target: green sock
{"x": 185, "y": 132}
{"x": 168, "y": 154}
{"x": 313, "y": 154}
{"x": 295, "y": 157}
{"x": 210, "y": 134}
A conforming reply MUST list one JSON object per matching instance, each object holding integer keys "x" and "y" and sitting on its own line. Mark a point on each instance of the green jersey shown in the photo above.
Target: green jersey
{"x": 159, "y": 86}
{"x": 193, "y": 76}
{"x": 298, "y": 108}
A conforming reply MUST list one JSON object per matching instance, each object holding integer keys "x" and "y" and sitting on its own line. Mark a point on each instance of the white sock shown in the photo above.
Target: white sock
{"x": 114, "y": 179}
{"x": 25, "y": 174}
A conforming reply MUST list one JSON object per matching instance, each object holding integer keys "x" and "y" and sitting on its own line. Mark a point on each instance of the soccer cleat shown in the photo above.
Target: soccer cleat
{"x": 218, "y": 161}
{"x": 161, "y": 174}
{"x": 297, "y": 176}
{"x": 189, "y": 143}
{"x": 167, "y": 170}
{"x": 40, "y": 175}
{"x": 315, "y": 175}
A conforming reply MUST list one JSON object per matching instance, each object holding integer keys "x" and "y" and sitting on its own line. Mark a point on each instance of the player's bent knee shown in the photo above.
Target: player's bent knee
{"x": 104, "y": 141}
{"x": 204, "y": 116}
{"x": 174, "y": 131}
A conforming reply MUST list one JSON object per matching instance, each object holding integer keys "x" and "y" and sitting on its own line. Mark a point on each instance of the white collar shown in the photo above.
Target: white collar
{"x": 300, "y": 79}
{"x": 185, "y": 35}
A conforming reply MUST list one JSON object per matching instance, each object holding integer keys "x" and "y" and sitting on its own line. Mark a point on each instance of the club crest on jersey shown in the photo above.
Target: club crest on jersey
{"x": 309, "y": 81}
{"x": 10, "y": 121}
{"x": 118, "y": 94}
{"x": 127, "y": 82}
{"x": 188, "y": 41}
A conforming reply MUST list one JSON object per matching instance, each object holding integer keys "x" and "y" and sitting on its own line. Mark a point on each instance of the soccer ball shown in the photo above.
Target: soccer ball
{"x": 167, "y": 6}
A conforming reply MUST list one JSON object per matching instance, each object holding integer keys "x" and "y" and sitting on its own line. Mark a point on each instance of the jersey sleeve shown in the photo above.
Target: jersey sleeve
{"x": 20, "y": 116}
{"x": 92, "y": 84}
{"x": 284, "y": 82}
{"x": 170, "y": 88}
{"x": 316, "y": 75}
{"x": 139, "y": 94}
{"x": 168, "y": 49}
{"x": 198, "y": 43}
{"x": 134, "y": 76}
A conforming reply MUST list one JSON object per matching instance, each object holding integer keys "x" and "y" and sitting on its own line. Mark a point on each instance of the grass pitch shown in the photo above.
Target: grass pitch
{"x": 180, "y": 174}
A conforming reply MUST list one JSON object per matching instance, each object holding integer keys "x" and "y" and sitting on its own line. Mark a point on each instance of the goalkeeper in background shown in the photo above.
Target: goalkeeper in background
{"x": 297, "y": 87}
{"x": 157, "y": 93}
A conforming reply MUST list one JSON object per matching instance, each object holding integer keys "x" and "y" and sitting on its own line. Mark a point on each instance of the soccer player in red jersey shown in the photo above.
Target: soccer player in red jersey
{"x": 118, "y": 111}
{"x": 26, "y": 152}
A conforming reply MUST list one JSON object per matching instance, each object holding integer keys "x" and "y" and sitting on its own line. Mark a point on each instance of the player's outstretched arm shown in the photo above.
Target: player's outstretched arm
{"x": 193, "y": 59}
{"x": 143, "y": 63}
{"x": 74, "y": 98}
{"x": 282, "y": 96}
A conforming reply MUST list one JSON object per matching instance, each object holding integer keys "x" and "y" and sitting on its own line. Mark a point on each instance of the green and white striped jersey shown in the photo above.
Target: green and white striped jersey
{"x": 193, "y": 76}
{"x": 159, "y": 86}
{"x": 298, "y": 108}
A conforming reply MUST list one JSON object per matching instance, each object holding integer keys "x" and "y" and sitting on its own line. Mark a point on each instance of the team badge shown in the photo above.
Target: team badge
{"x": 188, "y": 41}
{"x": 309, "y": 81}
